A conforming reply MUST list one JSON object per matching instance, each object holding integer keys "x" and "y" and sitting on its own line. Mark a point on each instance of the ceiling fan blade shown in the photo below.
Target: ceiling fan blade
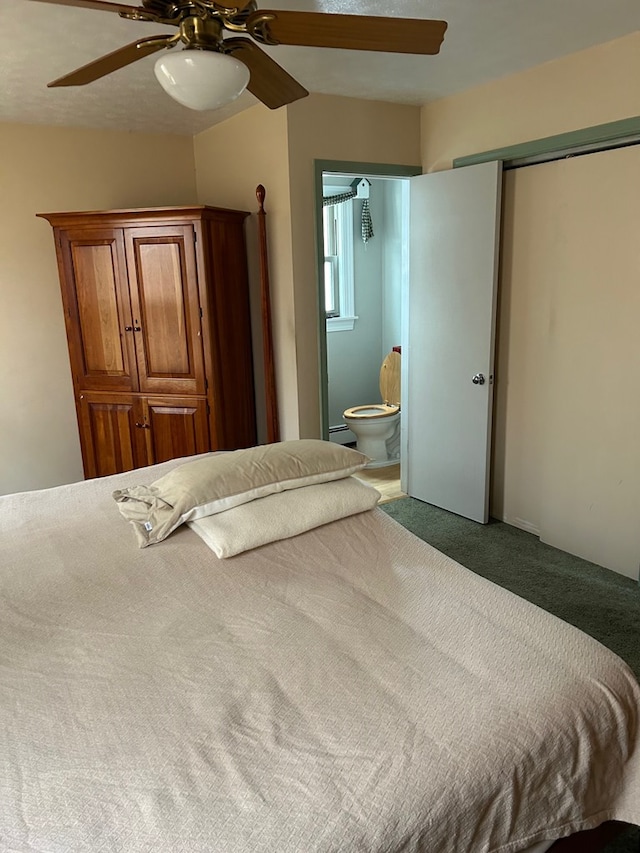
{"x": 103, "y": 6}
{"x": 112, "y": 61}
{"x": 269, "y": 82}
{"x": 353, "y": 32}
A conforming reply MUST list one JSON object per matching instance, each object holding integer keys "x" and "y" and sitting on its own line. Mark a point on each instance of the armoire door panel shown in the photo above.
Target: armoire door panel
{"x": 163, "y": 310}
{"x": 176, "y": 427}
{"x": 166, "y": 309}
{"x": 111, "y": 442}
{"x": 98, "y": 310}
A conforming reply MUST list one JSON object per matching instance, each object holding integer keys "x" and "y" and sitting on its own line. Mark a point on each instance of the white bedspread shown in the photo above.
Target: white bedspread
{"x": 350, "y": 690}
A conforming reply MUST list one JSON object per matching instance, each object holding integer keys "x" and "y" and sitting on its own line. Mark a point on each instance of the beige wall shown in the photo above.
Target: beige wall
{"x": 591, "y": 87}
{"x": 278, "y": 149}
{"x": 326, "y": 127}
{"x": 45, "y": 169}
{"x": 232, "y": 158}
{"x": 566, "y": 447}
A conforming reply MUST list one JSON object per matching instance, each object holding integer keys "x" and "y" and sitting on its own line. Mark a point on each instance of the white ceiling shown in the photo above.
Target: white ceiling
{"x": 486, "y": 39}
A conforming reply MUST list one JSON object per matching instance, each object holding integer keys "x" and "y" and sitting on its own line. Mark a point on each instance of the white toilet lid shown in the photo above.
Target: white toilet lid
{"x": 390, "y": 379}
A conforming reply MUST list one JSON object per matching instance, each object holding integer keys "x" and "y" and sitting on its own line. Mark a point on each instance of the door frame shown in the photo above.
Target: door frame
{"x": 339, "y": 167}
{"x": 586, "y": 140}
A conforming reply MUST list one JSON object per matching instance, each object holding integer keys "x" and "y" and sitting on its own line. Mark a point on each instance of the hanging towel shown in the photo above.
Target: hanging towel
{"x": 367, "y": 224}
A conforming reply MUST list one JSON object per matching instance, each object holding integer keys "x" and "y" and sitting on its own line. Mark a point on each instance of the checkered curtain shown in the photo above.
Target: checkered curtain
{"x": 365, "y": 218}
{"x": 367, "y": 224}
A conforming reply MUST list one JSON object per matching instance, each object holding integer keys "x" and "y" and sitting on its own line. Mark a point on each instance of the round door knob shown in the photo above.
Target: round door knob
{"x": 478, "y": 379}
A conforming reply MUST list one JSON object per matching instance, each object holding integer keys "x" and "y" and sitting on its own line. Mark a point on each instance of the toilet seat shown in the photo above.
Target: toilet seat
{"x": 378, "y": 410}
{"x": 389, "y": 391}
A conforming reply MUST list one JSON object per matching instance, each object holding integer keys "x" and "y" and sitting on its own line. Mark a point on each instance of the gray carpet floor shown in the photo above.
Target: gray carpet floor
{"x": 600, "y": 602}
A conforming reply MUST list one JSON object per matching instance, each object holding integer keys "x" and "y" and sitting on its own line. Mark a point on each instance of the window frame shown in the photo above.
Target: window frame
{"x": 342, "y": 261}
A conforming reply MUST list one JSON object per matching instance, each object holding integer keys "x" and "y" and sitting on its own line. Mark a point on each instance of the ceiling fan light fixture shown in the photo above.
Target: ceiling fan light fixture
{"x": 202, "y": 79}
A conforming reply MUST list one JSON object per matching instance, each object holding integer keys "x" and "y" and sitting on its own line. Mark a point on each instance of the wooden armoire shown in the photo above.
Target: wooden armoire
{"x": 156, "y": 305}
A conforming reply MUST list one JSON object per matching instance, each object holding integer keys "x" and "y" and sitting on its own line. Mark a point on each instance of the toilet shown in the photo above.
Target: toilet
{"x": 377, "y": 427}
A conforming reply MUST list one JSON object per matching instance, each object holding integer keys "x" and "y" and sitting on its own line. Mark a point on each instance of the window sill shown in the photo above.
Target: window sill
{"x": 341, "y": 324}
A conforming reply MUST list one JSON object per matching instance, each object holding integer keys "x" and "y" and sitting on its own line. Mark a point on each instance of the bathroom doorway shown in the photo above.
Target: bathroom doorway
{"x": 447, "y": 375}
{"x": 363, "y": 290}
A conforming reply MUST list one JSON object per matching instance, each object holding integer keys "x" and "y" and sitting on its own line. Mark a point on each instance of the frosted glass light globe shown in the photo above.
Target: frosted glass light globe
{"x": 202, "y": 79}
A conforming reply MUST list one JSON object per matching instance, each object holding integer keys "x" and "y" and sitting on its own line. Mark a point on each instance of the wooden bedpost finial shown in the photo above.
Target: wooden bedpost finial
{"x": 273, "y": 425}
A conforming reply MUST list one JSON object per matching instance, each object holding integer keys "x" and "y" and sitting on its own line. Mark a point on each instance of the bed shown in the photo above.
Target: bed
{"x": 345, "y": 689}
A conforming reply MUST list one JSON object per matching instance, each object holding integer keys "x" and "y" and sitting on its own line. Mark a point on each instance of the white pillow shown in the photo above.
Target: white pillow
{"x": 282, "y": 515}
{"x": 221, "y": 481}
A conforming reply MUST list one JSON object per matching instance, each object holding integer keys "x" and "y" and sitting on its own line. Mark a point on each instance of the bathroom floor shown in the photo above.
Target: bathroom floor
{"x": 386, "y": 480}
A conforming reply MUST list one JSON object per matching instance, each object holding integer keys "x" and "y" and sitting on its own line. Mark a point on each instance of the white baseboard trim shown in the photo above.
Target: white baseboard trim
{"x": 522, "y": 524}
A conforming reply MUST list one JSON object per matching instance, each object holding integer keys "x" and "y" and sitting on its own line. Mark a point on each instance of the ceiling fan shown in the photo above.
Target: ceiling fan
{"x": 233, "y": 63}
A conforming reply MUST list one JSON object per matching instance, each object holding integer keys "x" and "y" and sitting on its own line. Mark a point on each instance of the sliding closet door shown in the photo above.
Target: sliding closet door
{"x": 567, "y": 442}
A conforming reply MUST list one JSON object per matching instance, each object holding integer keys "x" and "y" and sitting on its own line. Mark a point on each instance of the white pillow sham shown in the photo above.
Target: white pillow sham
{"x": 283, "y": 515}
{"x": 218, "y": 482}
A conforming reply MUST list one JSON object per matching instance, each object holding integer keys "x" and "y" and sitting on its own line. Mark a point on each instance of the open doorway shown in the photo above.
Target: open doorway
{"x": 363, "y": 213}
{"x": 447, "y": 371}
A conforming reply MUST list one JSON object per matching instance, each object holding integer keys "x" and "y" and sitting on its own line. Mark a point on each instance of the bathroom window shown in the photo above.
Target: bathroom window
{"x": 338, "y": 263}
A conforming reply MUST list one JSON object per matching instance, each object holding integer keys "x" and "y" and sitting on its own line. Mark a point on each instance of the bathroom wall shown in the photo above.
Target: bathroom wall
{"x": 394, "y": 260}
{"x": 354, "y": 357}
